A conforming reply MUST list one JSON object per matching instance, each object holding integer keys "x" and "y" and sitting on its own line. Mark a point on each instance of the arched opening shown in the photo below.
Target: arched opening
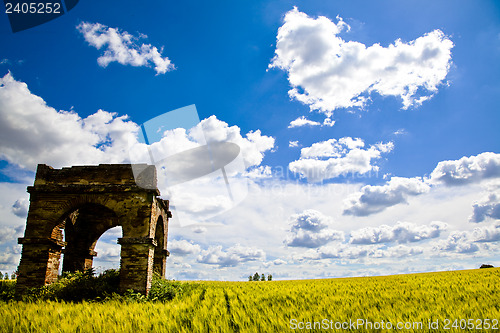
{"x": 108, "y": 250}
{"x": 71, "y": 208}
{"x": 160, "y": 251}
{"x": 80, "y": 230}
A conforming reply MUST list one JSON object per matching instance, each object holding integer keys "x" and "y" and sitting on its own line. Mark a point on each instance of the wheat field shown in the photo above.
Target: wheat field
{"x": 456, "y": 301}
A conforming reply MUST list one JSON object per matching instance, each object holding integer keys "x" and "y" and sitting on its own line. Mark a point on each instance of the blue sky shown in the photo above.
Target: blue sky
{"x": 308, "y": 210}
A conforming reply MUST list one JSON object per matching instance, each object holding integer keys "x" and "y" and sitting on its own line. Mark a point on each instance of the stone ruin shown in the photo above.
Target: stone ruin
{"x": 85, "y": 202}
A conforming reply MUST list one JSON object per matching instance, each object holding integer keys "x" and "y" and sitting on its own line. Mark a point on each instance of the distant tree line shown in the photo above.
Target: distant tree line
{"x": 5, "y": 276}
{"x": 257, "y": 277}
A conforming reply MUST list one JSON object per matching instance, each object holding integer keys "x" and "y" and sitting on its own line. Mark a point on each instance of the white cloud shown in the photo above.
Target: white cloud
{"x": 261, "y": 221}
{"x": 402, "y": 232}
{"x": 310, "y": 229}
{"x": 183, "y": 247}
{"x": 191, "y": 274}
{"x": 108, "y": 252}
{"x": 123, "y": 48}
{"x": 353, "y": 253}
{"x": 8, "y": 233}
{"x": 32, "y": 132}
{"x": 345, "y": 252}
{"x": 9, "y": 259}
{"x": 340, "y": 251}
{"x": 302, "y": 238}
{"x": 183, "y": 265}
{"x": 11, "y": 225}
{"x": 310, "y": 220}
{"x": 328, "y": 122}
{"x": 486, "y": 234}
{"x": 400, "y": 131}
{"x": 326, "y": 72}
{"x": 467, "y": 169}
{"x": 199, "y": 230}
{"x": 374, "y": 199}
{"x": 20, "y": 207}
{"x": 293, "y": 144}
{"x": 398, "y": 251}
{"x": 458, "y": 241}
{"x": 231, "y": 257}
{"x": 197, "y": 190}
{"x": 331, "y": 148}
{"x": 260, "y": 172}
{"x": 273, "y": 200}
{"x": 333, "y": 158}
{"x": 202, "y": 197}
{"x": 206, "y": 192}
{"x": 278, "y": 262}
{"x": 470, "y": 241}
{"x": 199, "y": 203}
{"x": 489, "y": 207}
{"x": 252, "y": 145}
{"x": 302, "y": 121}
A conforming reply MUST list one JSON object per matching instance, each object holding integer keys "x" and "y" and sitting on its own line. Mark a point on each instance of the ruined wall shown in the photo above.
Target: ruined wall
{"x": 86, "y": 201}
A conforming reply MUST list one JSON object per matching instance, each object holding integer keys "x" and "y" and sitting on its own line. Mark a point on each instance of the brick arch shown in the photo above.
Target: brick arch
{"x": 161, "y": 252}
{"x": 83, "y": 226}
{"x": 86, "y": 201}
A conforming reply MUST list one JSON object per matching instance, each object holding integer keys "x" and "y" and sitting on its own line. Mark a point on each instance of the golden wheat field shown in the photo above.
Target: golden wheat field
{"x": 457, "y": 301}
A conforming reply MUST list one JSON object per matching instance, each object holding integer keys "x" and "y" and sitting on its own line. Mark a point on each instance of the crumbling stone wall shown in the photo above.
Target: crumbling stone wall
{"x": 86, "y": 201}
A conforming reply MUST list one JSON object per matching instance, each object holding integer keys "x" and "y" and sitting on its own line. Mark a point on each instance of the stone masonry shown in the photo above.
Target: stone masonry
{"x": 84, "y": 202}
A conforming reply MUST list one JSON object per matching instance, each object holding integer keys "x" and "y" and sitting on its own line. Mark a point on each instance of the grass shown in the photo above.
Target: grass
{"x": 275, "y": 306}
